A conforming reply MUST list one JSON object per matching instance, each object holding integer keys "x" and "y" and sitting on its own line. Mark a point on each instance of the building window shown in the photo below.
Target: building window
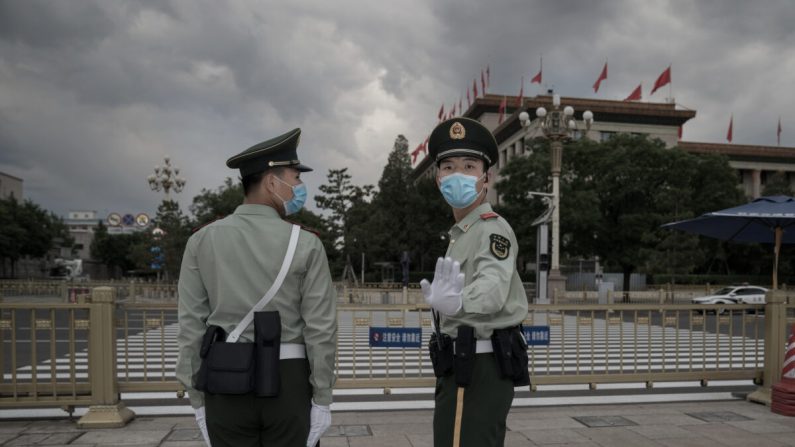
{"x": 576, "y": 135}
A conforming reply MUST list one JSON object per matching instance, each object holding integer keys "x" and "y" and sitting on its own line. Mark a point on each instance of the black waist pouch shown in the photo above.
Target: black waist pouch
{"x": 227, "y": 368}
{"x": 267, "y": 337}
{"x": 510, "y": 352}
{"x": 440, "y": 348}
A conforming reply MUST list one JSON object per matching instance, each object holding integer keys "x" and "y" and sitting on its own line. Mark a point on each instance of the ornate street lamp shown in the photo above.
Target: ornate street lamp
{"x": 166, "y": 178}
{"x": 557, "y": 126}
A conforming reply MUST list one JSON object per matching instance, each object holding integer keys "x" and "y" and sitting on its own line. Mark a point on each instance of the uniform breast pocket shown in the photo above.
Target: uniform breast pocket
{"x": 461, "y": 257}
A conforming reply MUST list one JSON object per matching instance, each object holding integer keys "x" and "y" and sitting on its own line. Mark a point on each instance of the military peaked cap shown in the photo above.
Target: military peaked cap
{"x": 281, "y": 151}
{"x": 461, "y": 137}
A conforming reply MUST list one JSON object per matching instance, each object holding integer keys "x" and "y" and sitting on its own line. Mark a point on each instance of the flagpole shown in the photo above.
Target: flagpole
{"x": 778, "y": 132}
{"x": 670, "y": 84}
{"x": 541, "y": 70}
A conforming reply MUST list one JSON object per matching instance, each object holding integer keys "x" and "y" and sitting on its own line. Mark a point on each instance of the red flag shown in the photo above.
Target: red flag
{"x": 475, "y": 88}
{"x": 502, "y": 109}
{"x": 730, "y": 134}
{"x": 778, "y": 132}
{"x": 602, "y": 77}
{"x": 452, "y": 111}
{"x": 635, "y": 95}
{"x": 469, "y": 101}
{"x": 460, "y": 108}
{"x": 521, "y": 95}
{"x": 680, "y": 131}
{"x": 441, "y": 112}
{"x": 483, "y": 82}
{"x": 537, "y": 78}
{"x": 663, "y": 79}
{"x": 425, "y": 144}
{"x": 488, "y": 76}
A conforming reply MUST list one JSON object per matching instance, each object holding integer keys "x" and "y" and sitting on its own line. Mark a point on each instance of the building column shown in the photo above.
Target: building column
{"x": 756, "y": 183}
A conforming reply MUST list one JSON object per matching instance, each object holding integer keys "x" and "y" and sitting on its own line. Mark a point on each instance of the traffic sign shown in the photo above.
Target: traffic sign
{"x": 142, "y": 219}
{"x": 114, "y": 219}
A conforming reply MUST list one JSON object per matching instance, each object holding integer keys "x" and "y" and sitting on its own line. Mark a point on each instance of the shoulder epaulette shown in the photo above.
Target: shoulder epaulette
{"x": 195, "y": 229}
{"x": 490, "y": 215}
{"x": 304, "y": 227}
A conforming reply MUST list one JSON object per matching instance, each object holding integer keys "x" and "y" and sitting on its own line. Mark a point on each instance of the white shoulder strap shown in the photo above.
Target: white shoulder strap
{"x": 288, "y": 259}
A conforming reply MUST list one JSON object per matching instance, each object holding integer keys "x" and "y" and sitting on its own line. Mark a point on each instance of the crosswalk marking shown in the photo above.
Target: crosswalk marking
{"x": 601, "y": 346}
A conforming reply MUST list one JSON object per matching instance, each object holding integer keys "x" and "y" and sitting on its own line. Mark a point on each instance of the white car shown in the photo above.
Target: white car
{"x": 734, "y": 295}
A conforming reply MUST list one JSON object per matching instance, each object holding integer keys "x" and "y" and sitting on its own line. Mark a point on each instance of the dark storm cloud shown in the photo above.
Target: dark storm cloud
{"x": 41, "y": 23}
{"x": 94, "y": 93}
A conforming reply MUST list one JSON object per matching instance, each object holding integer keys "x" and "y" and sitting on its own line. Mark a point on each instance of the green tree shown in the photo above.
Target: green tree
{"x": 177, "y": 229}
{"x": 117, "y": 251}
{"x": 431, "y": 217}
{"x": 615, "y": 195}
{"x": 28, "y": 230}
{"x": 348, "y": 208}
{"x": 392, "y": 222}
{"x": 520, "y": 176}
{"x": 211, "y": 205}
{"x": 12, "y": 234}
{"x": 778, "y": 184}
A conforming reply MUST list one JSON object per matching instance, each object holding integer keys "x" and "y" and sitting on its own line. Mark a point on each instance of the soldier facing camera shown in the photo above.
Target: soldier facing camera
{"x": 477, "y": 298}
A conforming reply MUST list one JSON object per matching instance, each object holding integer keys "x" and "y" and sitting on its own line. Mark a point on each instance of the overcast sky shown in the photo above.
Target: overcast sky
{"x": 93, "y": 94}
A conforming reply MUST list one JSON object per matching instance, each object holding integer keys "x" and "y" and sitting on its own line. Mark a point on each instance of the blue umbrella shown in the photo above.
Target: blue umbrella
{"x": 766, "y": 220}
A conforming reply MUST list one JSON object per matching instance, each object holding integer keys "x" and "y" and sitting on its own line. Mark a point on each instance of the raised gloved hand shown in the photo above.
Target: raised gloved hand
{"x": 319, "y": 422}
{"x": 201, "y": 421}
{"x": 444, "y": 293}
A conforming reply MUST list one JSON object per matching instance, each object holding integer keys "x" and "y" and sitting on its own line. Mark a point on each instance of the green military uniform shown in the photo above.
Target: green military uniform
{"x": 493, "y": 297}
{"x": 226, "y": 269}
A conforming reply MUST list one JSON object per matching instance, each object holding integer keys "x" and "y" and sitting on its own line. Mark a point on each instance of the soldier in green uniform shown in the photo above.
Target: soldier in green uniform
{"x": 227, "y": 267}
{"x": 475, "y": 285}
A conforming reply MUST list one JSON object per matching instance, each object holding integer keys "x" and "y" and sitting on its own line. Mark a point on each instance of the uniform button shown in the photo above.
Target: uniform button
{"x": 466, "y": 226}
{"x": 452, "y": 241}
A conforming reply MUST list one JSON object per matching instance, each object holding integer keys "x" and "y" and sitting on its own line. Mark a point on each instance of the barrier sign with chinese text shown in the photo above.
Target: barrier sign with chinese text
{"x": 536, "y": 335}
{"x": 395, "y": 337}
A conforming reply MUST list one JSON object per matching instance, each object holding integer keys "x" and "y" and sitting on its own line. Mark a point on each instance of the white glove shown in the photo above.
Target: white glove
{"x": 319, "y": 422}
{"x": 444, "y": 294}
{"x": 201, "y": 421}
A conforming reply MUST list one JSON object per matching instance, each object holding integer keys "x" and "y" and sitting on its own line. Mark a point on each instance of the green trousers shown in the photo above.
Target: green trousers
{"x": 249, "y": 421}
{"x": 487, "y": 401}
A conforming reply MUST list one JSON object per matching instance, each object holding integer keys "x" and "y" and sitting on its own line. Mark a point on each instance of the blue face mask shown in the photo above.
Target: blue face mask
{"x": 295, "y": 204}
{"x": 459, "y": 189}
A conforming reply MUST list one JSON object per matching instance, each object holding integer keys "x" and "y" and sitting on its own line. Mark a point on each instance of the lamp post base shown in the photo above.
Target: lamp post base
{"x": 556, "y": 285}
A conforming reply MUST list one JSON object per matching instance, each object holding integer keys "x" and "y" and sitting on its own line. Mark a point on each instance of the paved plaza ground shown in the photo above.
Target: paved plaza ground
{"x": 726, "y": 423}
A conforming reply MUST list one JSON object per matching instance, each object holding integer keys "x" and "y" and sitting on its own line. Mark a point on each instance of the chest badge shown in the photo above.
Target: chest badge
{"x": 500, "y": 246}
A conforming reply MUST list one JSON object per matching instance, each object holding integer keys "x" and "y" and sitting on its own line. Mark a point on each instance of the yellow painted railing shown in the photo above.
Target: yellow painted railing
{"x": 86, "y": 353}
